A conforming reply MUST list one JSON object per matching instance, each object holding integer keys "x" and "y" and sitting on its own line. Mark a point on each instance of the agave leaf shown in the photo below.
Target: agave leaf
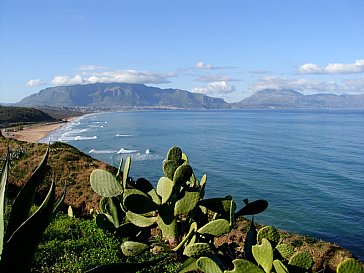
{"x": 24, "y": 200}
{"x": 119, "y": 173}
{"x": 250, "y": 241}
{"x": 3, "y": 181}
{"x": 59, "y": 203}
{"x": 23, "y": 242}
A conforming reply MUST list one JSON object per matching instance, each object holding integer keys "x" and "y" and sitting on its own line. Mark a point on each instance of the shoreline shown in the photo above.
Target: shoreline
{"x": 34, "y": 133}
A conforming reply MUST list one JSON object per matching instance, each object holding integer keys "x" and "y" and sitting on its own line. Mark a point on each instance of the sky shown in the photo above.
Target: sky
{"x": 225, "y": 49}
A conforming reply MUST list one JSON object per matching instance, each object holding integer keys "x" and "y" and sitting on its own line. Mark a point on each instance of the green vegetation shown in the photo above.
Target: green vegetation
{"x": 172, "y": 227}
{"x": 11, "y": 116}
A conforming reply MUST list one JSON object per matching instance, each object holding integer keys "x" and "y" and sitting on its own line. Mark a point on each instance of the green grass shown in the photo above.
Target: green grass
{"x": 76, "y": 245}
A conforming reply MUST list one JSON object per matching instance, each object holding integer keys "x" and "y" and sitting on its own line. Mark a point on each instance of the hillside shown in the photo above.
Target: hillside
{"x": 74, "y": 167}
{"x": 283, "y": 98}
{"x": 22, "y": 115}
{"x": 121, "y": 95}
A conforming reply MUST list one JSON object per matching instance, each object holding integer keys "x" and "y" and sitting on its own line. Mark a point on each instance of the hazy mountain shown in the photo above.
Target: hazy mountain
{"x": 115, "y": 95}
{"x": 271, "y": 98}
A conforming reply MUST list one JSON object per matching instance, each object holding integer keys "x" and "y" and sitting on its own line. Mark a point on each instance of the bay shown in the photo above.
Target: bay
{"x": 308, "y": 164}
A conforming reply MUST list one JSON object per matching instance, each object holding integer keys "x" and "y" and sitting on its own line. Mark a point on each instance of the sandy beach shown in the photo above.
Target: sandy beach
{"x": 34, "y": 133}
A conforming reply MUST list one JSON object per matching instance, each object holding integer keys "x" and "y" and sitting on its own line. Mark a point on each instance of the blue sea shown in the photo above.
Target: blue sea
{"x": 308, "y": 164}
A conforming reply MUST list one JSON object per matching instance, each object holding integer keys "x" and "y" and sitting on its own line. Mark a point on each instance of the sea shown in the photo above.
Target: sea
{"x": 308, "y": 164}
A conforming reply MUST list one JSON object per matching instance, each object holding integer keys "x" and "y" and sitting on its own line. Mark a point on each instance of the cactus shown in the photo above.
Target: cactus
{"x": 252, "y": 208}
{"x": 215, "y": 228}
{"x": 130, "y": 248}
{"x": 197, "y": 250}
{"x": 169, "y": 168}
{"x": 269, "y": 233}
{"x": 280, "y": 267}
{"x": 189, "y": 265}
{"x": 263, "y": 254}
{"x": 175, "y": 153}
{"x": 207, "y": 265}
{"x": 300, "y": 262}
{"x": 350, "y": 265}
{"x": 182, "y": 175}
{"x": 105, "y": 184}
{"x": 140, "y": 220}
{"x": 244, "y": 266}
{"x": 285, "y": 250}
{"x": 187, "y": 202}
{"x": 165, "y": 189}
{"x": 138, "y": 202}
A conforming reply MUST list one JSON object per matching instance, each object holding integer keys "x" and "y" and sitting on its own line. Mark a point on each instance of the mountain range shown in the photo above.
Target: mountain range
{"x": 125, "y": 95}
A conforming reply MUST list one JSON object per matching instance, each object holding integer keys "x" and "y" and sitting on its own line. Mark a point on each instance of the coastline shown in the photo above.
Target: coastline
{"x": 34, "y": 133}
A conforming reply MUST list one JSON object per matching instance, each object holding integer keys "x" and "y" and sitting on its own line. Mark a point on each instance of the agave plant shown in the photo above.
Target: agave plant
{"x": 23, "y": 232}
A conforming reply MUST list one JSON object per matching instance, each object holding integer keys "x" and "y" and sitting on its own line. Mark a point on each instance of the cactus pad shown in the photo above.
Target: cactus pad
{"x": 105, "y": 184}
{"x": 145, "y": 186}
{"x": 350, "y": 265}
{"x": 269, "y": 233}
{"x": 244, "y": 266}
{"x": 188, "y": 266}
{"x": 301, "y": 260}
{"x": 138, "y": 202}
{"x": 130, "y": 248}
{"x": 207, "y": 265}
{"x": 182, "y": 175}
{"x": 280, "y": 267}
{"x": 252, "y": 208}
{"x": 263, "y": 254}
{"x": 174, "y": 153}
{"x": 187, "y": 203}
{"x": 169, "y": 167}
{"x": 218, "y": 205}
{"x": 215, "y": 228}
{"x": 140, "y": 220}
{"x": 285, "y": 250}
{"x": 197, "y": 250}
{"x": 104, "y": 221}
{"x": 165, "y": 189}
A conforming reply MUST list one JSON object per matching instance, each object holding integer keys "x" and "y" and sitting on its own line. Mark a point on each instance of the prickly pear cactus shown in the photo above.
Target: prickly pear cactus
{"x": 263, "y": 254}
{"x": 244, "y": 266}
{"x": 186, "y": 203}
{"x": 130, "y": 248}
{"x": 215, "y": 228}
{"x": 280, "y": 267}
{"x": 165, "y": 189}
{"x": 207, "y": 265}
{"x": 105, "y": 184}
{"x": 350, "y": 265}
{"x": 174, "y": 153}
{"x": 197, "y": 250}
{"x": 300, "y": 260}
{"x": 269, "y": 233}
{"x": 286, "y": 251}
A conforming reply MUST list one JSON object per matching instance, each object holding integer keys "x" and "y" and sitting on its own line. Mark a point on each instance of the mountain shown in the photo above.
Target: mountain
{"x": 117, "y": 95}
{"x": 283, "y": 98}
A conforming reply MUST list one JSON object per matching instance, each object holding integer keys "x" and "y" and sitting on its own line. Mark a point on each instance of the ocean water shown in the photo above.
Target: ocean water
{"x": 309, "y": 165}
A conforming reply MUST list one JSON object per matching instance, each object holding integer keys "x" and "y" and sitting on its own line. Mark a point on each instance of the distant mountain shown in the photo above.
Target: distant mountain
{"x": 21, "y": 115}
{"x": 114, "y": 95}
{"x": 272, "y": 98}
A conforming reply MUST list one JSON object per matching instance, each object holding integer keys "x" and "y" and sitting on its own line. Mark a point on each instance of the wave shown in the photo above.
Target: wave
{"x": 96, "y": 126}
{"x": 123, "y": 135}
{"x": 126, "y": 151}
{"x": 66, "y": 138}
{"x": 94, "y": 151}
{"x": 98, "y": 122}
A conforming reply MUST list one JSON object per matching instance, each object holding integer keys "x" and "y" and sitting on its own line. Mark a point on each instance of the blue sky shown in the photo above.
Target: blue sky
{"x": 226, "y": 49}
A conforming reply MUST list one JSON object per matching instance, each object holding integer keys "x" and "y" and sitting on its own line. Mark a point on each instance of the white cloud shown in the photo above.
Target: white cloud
{"x": 336, "y": 68}
{"x": 127, "y": 76}
{"x": 91, "y": 67}
{"x": 310, "y": 86}
{"x": 201, "y": 65}
{"x": 213, "y": 78}
{"x": 66, "y": 80}
{"x": 213, "y": 88}
{"x": 34, "y": 82}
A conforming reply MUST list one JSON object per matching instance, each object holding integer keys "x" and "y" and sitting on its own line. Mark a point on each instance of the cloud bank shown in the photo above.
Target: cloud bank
{"x": 34, "y": 83}
{"x": 336, "y": 68}
{"x": 215, "y": 88}
{"x": 127, "y": 76}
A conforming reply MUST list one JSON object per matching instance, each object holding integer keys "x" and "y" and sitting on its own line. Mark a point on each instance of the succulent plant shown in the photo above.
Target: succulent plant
{"x": 23, "y": 232}
{"x": 350, "y": 265}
